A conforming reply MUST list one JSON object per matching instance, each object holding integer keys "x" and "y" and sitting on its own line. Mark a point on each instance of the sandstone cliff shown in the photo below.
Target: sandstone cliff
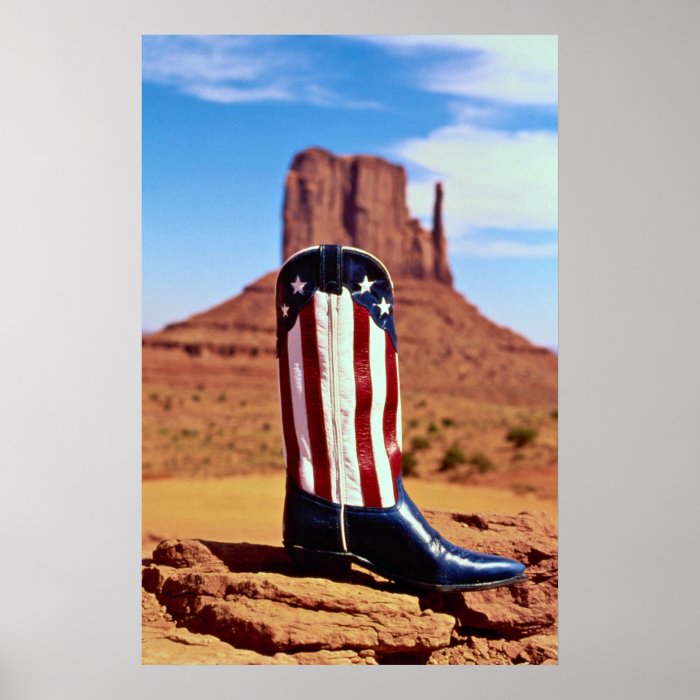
{"x": 209, "y": 602}
{"x": 361, "y": 201}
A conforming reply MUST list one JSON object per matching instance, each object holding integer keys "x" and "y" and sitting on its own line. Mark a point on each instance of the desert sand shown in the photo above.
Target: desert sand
{"x": 248, "y": 507}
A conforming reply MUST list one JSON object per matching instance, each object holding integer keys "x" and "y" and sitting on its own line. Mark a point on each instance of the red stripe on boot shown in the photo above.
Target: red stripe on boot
{"x": 290, "y": 436}
{"x": 363, "y": 407}
{"x": 393, "y": 449}
{"x": 314, "y": 403}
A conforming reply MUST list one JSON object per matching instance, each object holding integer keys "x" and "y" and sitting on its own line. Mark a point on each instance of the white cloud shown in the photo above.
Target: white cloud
{"x": 493, "y": 179}
{"x": 480, "y": 248}
{"x": 224, "y": 94}
{"x": 315, "y": 94}
{"x": 231, "y": 69}
{"x": 193, "y": 60}
{"x": 514, "y": 68}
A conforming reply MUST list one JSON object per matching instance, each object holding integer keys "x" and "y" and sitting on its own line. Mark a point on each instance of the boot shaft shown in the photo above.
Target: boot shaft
{"x": 338, "y": 370}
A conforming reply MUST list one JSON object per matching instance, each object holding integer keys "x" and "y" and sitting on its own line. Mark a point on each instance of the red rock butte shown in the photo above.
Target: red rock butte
{"x": 361, "y": 201}
{"x": 446, "y": 345}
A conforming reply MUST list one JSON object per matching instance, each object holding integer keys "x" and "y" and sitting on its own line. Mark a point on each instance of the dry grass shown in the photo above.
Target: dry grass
{"x": 202, "y": 432}
{"x": 213, "y": 431}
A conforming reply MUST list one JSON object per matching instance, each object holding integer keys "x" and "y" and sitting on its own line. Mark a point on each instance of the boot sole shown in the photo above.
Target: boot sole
{"x": 318, "y": 561}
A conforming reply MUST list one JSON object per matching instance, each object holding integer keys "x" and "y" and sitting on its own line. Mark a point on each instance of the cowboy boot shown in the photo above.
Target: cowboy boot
{"x": 341, "y": 416}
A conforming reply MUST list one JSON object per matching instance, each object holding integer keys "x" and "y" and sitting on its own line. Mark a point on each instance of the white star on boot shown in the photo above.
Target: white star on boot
{"x": 298, "y": 286}
{"x": 383, "y": 307}
{"x": 365, "y": 285}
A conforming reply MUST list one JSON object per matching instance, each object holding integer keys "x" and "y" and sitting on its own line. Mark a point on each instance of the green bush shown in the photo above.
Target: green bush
{"x": 420, "y": 443}
{"x": 432, "y": 428}
{"x": 521, "y": 436}
{"x": 482, "y": 463}
{"x": 452, "y": 458}
{"x": 447, "y": 422}
{"x": 408, "y": 464}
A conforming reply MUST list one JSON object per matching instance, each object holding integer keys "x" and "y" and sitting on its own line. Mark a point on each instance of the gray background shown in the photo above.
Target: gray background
{"x": 70, "y": 353}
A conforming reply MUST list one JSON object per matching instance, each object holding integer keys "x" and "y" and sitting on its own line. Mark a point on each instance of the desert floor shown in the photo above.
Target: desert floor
{"x": 248, "y": 507}
{"x": 213, "y": 469}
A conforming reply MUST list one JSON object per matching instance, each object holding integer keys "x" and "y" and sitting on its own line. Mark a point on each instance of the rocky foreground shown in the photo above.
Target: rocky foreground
{"x": 210, "y": 602}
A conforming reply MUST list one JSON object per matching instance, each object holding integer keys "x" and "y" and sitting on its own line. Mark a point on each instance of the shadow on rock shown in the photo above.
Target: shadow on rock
{"x": 246, "y": 557}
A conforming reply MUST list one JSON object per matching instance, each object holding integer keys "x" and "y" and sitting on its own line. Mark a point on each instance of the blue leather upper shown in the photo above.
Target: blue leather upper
{"x": 397, "y": 541}
{"x": 329, "y": 268}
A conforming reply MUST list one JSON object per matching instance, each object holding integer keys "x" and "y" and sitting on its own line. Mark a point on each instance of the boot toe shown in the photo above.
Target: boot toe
{"x": 466, "y": 567}
{"x": 502, "y": 568}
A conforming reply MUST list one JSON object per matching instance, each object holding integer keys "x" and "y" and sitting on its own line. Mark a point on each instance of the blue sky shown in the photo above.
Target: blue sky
{"x": 223, "y": 117}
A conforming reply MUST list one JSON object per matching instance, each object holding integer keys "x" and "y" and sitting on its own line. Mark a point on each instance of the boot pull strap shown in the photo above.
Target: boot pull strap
{"x": 331, "y": 268}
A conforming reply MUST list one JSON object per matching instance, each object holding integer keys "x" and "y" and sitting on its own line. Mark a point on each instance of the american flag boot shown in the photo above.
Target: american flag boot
{"x": 341, "y": 417}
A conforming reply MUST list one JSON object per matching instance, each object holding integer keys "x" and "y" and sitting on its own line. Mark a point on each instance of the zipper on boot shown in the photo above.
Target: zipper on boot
{"x": 333, "y": 302}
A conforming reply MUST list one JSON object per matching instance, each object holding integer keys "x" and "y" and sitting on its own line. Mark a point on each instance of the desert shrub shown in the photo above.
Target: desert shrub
{"x": 432, "y": 427}
{"x": 186, "y": 432}
{"x": 408, "y": 464}
{"x": 420, "y": 443}
{"x": 266, "y": 427}
{"x": 521, "y": 489}
{"x": 452, "y": 458}
{"x": 555, "y": 414}
{"x": 482, "y": 463}
{"x": 447, "y": 422}
{"x": 195, "y": 397}
{"x": 413, "y": 423}
{"x": 154, "y": 396}
{"x": 521, "y": 436}
{"x": 422, "y": 403}
{"x": 168, "y": 403}
{"x": 221, "y": 397}
{"x": 200, "y": 387}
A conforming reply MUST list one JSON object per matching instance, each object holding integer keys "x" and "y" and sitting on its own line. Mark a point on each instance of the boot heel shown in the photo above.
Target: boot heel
{"x": 313, "y": 561}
